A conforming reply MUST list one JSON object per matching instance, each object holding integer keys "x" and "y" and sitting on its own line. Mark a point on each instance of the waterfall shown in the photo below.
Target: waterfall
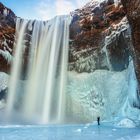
{"x": 16, "y": 67}
{"x": 43, "y": 94}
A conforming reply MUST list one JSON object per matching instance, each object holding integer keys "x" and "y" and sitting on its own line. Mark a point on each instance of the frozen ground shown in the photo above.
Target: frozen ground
{"x": 68, "y": 132}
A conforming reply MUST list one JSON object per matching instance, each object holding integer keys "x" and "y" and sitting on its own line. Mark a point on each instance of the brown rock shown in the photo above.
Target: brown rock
{"x": 132, "y": 9}
{"x": 7, "y": 35}
{"x": 88, "y": 32}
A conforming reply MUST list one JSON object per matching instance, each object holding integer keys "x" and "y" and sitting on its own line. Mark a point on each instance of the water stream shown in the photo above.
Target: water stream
{"x": 43, "y": 94}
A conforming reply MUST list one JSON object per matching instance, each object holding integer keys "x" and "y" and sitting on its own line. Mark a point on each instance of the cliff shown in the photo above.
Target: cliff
{"x": 100, "y": 37}
{"x": 132, "y": 9}
{"x": 7, "y": 35}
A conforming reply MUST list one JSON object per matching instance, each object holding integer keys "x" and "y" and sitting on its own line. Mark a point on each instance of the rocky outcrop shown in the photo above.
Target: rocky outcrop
{"x": 100, "y": 37}
{"x": 7, "y": 35}
{"x": 132, "y": 9}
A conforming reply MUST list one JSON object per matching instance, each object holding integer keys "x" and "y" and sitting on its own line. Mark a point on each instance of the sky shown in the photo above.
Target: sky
{"x": 42, "y": 9}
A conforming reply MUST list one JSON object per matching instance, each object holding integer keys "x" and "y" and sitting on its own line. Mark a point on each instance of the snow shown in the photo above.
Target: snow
{"x": 116, "y": 2}
{"x": 6, "y": 55}
{"x": 5, "y": 12}
{"x": 3, "y": 81}
{"x": 127, "y": 123}
{"x": 30, "y": 27}
{"x": 3, "y": 85}
{"x": 79, "y": 130}
{"x": 116, "y": 30}
{"x": 96, "y": 3}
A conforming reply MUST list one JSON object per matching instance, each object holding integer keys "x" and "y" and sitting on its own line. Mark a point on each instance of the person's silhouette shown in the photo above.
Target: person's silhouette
{"x": 98, "y": 120}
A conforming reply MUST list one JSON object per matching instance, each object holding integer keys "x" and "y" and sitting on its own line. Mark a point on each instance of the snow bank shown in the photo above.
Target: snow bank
{"x": 127, "y": 123}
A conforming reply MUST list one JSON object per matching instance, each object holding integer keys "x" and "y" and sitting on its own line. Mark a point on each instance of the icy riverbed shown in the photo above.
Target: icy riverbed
{"x": 68, "y": 132}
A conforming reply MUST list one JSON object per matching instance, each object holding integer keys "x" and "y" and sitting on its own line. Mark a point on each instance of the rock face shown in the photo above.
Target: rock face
{"x": 7, "y": 35}
{"x": 100, "y": 37}
{"x": 132, "y": 9}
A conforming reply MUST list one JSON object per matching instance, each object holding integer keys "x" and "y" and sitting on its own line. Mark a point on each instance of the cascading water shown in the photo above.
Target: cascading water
{"x": 15, "y": 72}
{"x": 43, "y": 94}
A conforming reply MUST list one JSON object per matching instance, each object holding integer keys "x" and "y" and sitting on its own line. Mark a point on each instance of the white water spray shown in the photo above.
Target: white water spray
{"x": 44, "y": 93}
{"x": 17, "y": 62}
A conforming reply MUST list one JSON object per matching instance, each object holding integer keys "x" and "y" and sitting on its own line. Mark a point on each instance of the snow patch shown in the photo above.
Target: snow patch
{"x": 5, "y": 12}
{"x": 116, "y": 30}
{"x": 79, "y": 130}
{"x": 116, "y": 2}
{"x": 7, "y": 56}
{"x": 3, "y": 81}
{"x": 127, "y": 123}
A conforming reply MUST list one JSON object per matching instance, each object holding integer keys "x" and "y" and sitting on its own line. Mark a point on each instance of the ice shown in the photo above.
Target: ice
{"x": 127, "y": 123}
{"x": 3, "y": 81}
{"x": 67, "y": 132}
{"x": 116, "y": 30}
{"x": 6, "y": 55}
{"x": 78, "y": 130}
{"x": 103, "y": 93}
{"x": 2, "y": 103}
{"x": 91, "y": 94}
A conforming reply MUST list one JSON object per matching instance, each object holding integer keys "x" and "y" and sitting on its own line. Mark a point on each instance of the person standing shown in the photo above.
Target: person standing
{"x": 98, "y": 120}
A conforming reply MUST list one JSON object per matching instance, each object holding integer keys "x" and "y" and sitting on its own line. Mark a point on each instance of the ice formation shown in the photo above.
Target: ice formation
{"x": 103, "y": 93}
{"x": 126, "y": 123}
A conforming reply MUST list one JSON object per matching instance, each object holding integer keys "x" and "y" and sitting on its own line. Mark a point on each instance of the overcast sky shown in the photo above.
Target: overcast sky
{"x": 42, "y": 9}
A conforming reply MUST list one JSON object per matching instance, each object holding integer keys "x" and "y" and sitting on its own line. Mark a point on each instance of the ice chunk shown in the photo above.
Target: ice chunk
{"x": 126, "y": 123}
{"x": 79, "y": 130}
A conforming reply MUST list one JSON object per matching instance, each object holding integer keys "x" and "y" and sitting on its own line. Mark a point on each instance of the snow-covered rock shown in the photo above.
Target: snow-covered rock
{"x": 7, "y": 35}
{"x": 96, "y": 26}
{"x": 3, "y": 81}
